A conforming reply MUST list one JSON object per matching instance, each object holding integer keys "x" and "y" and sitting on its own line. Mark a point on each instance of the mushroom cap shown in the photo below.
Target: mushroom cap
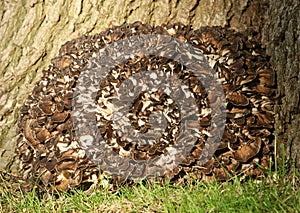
{"x": 50, "y": 152}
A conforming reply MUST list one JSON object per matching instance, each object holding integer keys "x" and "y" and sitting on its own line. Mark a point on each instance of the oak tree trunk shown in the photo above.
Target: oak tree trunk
{"x": 32, "y": 32}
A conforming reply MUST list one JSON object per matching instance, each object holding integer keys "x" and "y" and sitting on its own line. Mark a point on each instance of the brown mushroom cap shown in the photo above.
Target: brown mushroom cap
{"x": 50, "y": 152}
{"x": 248, "y": 151}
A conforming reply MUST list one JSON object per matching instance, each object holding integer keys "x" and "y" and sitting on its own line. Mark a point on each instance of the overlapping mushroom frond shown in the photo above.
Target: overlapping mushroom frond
{"x": 50, "y": 152}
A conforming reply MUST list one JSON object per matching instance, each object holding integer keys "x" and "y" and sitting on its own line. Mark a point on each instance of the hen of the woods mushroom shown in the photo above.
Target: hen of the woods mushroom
{"x": 50, "y": 152}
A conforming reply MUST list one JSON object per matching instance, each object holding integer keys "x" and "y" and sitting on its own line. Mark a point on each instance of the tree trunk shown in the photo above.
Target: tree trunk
{"x": 281, "y": 37}
{"x": 32, "y": 32}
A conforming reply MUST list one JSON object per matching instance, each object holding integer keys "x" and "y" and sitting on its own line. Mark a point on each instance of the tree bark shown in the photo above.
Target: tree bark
{"x": 281, "y": 37}
{"x": 32, "y": 32}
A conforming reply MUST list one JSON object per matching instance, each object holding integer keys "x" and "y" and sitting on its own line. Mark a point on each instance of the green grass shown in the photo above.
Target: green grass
{"x": 278, "y": 192}
{"x": 281, "y": 195}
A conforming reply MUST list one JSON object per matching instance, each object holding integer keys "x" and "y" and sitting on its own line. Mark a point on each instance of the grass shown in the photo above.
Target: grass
{"x": 278, "y": 192}
{"x": 282, "y": 195}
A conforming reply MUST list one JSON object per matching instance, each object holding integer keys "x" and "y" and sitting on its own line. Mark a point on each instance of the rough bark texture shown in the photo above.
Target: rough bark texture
{"x": 32, "y": 32}
{"x": 281, "y": 36}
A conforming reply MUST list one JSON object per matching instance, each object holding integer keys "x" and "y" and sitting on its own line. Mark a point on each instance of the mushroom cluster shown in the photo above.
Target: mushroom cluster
{"x": 51, "y": 153}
